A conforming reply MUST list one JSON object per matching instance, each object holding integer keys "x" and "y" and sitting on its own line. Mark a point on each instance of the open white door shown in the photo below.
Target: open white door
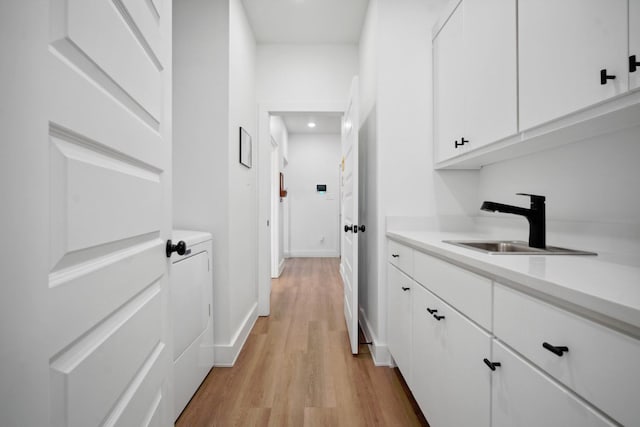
{"x": 350, "y": 227}
{"x": 98, "y": 112}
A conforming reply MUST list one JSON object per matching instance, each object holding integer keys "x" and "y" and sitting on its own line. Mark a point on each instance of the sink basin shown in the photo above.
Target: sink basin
{"x": 513, "y": 247}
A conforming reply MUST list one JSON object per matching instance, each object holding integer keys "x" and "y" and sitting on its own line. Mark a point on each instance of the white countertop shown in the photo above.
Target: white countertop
{"x": 598, "y": 284}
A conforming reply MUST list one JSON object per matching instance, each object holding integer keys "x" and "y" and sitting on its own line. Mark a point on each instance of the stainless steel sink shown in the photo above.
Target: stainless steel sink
{"x": 513, "y": 247}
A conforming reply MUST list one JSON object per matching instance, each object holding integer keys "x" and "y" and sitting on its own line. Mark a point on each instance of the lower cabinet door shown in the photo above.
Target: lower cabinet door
{"x": 523, "y": 396}
{"x": 400, "y": 288}
{"x": 450, "y": 382}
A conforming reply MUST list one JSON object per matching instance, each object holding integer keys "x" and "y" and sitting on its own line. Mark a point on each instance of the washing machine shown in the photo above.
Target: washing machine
{"x": 191, "y": 308}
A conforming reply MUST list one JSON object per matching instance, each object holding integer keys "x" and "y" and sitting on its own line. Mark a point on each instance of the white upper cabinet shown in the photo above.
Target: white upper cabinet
{"x": 448, "y": 76}
{"x": 563, "y": 47}
{"x": 634, "y": 43}
{"x": 491, "y": 104}
{"x": 475, "y": 77}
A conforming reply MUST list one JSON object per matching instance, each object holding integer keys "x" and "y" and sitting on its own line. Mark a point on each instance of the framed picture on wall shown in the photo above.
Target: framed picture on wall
{"x": 245, "y": 148}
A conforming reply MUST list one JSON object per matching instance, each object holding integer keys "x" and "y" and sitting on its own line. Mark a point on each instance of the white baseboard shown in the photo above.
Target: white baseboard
{"x": 226, "y": 354}
{"x": 314, "y": 254}
{"x": 379, "y": 351}
{"x": 281, "y": 267}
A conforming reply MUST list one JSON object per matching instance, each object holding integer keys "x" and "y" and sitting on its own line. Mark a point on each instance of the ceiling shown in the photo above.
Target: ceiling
{"x": 325, "y": 122}
{"x": 306, "y": 21}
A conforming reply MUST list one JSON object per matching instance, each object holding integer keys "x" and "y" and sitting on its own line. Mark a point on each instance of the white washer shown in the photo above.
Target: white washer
{"x": 191, "y": 307}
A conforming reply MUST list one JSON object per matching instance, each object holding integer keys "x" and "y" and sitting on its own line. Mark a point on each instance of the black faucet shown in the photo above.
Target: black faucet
{"x": 535, "y": 215}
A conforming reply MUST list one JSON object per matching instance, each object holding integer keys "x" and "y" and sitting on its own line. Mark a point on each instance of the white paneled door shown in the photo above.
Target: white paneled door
{"x": 103, "y": 106}
{"x": 350, "y": 225}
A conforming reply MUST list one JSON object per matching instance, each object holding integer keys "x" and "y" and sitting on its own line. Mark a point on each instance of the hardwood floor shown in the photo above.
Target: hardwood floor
{"x": 296, "y": 368}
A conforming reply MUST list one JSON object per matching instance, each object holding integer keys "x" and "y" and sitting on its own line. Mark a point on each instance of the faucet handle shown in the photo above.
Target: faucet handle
{"x": 535, "y": 199}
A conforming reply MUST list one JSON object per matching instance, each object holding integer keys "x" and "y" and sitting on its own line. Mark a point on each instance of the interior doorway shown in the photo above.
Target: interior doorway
{"x": 274, "y": 210}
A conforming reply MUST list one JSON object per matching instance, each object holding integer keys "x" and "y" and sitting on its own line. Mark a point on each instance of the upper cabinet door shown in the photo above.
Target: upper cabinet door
{"x": 448, "y": 76}
{"x": 634, "y": 41}
{"x": 563, "y": 46}
{"x": 490, "y": 71}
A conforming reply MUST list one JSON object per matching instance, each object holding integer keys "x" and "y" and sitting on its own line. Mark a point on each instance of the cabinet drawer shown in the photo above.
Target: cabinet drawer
{"x": 466, "y": 291}
{"x": 522, "y": 396}
{"x": 601, "y": 364}
{"x": 401, "y": 256}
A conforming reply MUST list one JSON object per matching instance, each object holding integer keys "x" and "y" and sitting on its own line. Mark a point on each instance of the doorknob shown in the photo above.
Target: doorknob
{"x": 348, "y": 228}
{"x": 180, "y": 248}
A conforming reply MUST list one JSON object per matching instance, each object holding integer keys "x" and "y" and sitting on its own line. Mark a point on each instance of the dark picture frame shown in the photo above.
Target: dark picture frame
{"x": 245, "y": 148}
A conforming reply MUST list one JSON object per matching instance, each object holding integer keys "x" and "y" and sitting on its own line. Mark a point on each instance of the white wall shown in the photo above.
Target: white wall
{"x": 314, "y": 225}
{"x": 368, "y": 169}
{"x": 303, "y": 73}
{"x": 243, "y": 202}
{"x": 398, "y": 127}
{"x": 294, "y": 78}
{"x": 214, "y": 94}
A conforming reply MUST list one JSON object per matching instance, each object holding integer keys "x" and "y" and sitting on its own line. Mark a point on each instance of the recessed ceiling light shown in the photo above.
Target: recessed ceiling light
{"x": 311, "y": 124}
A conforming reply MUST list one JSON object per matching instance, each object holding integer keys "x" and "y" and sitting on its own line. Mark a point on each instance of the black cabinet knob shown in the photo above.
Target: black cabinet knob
{"x": 348, "y": 228}
{"x": 395, "y": 255}
{"x": 557, "y": 350}
{"x": 604, "y": 76}
{"x": 432, "y": 310}
{"x": 362, "y": 228}
{"x": 461, "y": 143}
{"x": 633, "y": 64}
{"x": 438, "y": 318}
{"x": 405, "y": 288}
{"x": 180, "y": 248}
{"x": 491, "y": 365}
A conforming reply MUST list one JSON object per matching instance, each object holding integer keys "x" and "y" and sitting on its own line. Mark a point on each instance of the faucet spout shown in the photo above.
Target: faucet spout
{"x": 535, "y": 215}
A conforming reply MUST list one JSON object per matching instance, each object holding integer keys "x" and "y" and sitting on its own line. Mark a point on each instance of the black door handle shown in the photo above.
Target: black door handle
{"x": 362, "y": 228}
{"x": 405, "y": 288}
{"x": 432, "y": 310}
{"x": 604, "y": 76}
{"x": 557, "y": 350}
{"x": 633, "y": 64}
{"x": 348, "y": 228}
{"x": 180, "y": 248}
{"x": 491, "y": 365}
{"x": 438, "y": 318}
{"x": 395, "y": 255}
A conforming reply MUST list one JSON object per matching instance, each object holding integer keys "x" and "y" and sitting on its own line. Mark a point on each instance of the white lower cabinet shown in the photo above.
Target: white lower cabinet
{"x": 494, "y": 356}
{"x": 523, "y": 396}
{"x": 450, "y": 382}
{"x": 400, "y": 288}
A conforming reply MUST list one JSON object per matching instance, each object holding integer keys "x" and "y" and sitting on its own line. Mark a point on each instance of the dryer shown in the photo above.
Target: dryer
{"x": 191, "y": 308}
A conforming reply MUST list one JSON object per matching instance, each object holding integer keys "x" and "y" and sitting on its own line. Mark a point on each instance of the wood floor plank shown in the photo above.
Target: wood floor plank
{"x": 296, "y": 368}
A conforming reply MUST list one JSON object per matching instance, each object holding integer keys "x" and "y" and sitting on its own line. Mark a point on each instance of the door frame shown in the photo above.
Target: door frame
{"x": 275, "y": 205}
{"x": 265, "y": 110}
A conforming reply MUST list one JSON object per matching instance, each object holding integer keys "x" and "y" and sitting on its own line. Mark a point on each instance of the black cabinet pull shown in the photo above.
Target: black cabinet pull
{"x": 492, "y": 365}
{"x": 395, "y": 255}
{"x": 633, "y": 64}
{"x": 557, "y": 350}
{"x": 405, "y": 289}
{"x": 438, "y": 318}
{"x": 432, "y": 310}
{"x": 348, "y": 228}
{"x": 604, "y": 76}
{"x": 362, "y": 228}
{"x": 461, "y": 143}
{"x": 180, "y": 248}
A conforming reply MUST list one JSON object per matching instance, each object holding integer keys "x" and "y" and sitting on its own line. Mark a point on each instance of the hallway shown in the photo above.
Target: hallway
{"x": 296, "y": 368}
